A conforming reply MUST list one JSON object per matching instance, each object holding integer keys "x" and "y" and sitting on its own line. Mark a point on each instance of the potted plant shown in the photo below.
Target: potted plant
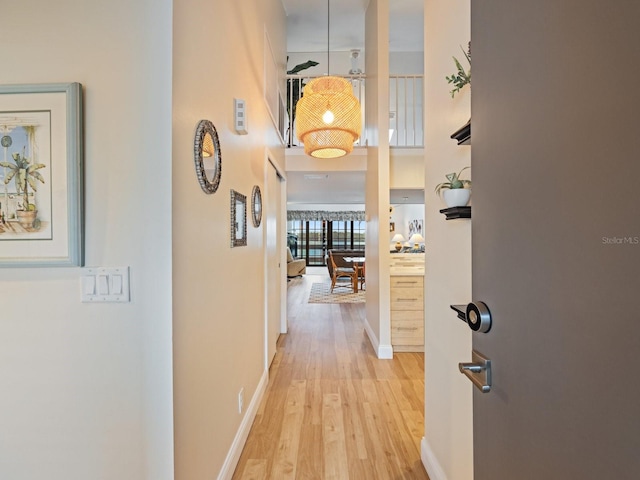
{"x": 455, "y": 191}
{"x": 461, "y": 77}
{"x": 25, "y": 176}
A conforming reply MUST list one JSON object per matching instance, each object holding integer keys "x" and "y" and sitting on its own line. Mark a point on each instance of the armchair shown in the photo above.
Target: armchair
{"x": 295, "y": 266}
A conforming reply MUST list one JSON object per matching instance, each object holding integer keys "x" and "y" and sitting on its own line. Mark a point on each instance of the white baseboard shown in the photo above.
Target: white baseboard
{"x": 231, "y": 462}
{"x": 384, "y": 352}
{"x": 430, "y": 462}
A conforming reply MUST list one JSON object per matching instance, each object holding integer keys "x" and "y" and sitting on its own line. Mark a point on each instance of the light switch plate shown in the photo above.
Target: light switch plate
{"x": 240, "y": 115}
{"x": 101, "y": 284}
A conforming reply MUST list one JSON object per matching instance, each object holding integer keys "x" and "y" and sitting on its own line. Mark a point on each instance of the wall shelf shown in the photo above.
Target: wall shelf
{"x": 453, "y": 213}
{"x": 463, "y": 134}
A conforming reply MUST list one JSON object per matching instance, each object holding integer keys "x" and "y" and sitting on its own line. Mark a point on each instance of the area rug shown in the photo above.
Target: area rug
{"x": 320, "y": 293}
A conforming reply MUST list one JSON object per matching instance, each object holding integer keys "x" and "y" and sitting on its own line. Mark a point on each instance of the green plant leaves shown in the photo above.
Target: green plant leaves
{"x": 24, "y": 174}
{"x": 32, "y": 183}
{"x": 461, "y": 77}
{"x": 302, "y": 66}
{"x": 454, "y": 182}
{"x": 11, "y": 173}
{"x": 38, "y": 176}
{"x": 37, "y": 166}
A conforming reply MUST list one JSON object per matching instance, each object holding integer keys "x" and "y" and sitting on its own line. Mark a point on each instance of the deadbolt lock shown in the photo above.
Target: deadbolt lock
{"x": 478, "y": 317}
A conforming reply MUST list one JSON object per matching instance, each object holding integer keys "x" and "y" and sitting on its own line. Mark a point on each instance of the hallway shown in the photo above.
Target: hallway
{"x": 332, "y": 410}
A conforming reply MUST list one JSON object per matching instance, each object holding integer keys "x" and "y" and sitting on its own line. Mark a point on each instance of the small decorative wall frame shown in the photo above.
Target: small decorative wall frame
{"x": 207, "y": 156}
{"x": 256, "y": 206}
{"x": 41, "y": 175}
{"x": 238, "y": 219}
{"x": 415, "y": 226}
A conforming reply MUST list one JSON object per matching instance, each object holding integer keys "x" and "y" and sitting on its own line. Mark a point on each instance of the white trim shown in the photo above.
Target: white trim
{"x": 231, "y": 462}
{"x": 271, "y": 85}
{"x": 430, "y": 462}
{"x": 358, "y": 150}
{"x": 384, "y": 352}
{"x": 282, "y": 215}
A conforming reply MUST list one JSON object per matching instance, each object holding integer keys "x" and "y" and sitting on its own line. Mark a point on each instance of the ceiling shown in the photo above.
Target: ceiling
{"x": 307, "y": 25}
{"x": 340, "y": 188}
{"x": 307, "y": 32}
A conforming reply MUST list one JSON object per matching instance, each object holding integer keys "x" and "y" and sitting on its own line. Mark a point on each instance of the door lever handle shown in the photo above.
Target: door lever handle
{"x": 472, "y": 367}
{"x": 478, "y": 371}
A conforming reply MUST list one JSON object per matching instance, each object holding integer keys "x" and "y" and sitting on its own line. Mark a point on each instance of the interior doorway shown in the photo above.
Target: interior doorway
{"x": 313, "y": 238}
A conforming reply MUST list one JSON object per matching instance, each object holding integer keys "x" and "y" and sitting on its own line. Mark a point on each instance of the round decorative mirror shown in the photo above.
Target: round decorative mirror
{"x": 207, "y": 156}
{"x": 256, "y": 206}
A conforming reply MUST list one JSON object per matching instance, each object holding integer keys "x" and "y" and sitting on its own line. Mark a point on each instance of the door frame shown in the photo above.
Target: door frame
{"x": 281, "y": 246}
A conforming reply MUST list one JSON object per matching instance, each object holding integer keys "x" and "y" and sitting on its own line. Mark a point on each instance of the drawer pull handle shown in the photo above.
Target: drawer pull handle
{"x": 408, "y": 282}
{"x": 407, "y": 329}
{"x": 407, "y": 299}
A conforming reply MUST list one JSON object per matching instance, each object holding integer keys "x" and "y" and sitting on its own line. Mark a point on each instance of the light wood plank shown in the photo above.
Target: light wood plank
{"x": 255, "y": 470}
{"x": 333, "y": 438}
{"x": 332, "y": 410}
{"x": 287, "y": 453}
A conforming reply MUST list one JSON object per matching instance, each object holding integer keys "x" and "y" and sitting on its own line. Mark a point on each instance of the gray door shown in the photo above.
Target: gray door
{"x": 556, "y": 237}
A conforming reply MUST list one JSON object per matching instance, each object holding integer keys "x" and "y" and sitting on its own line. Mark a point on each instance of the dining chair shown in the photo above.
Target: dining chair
{"x": 343, "y": 272}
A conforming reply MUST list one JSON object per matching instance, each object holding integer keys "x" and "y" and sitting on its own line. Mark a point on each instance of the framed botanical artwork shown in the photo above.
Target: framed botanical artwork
{"x": 41, "y": 175}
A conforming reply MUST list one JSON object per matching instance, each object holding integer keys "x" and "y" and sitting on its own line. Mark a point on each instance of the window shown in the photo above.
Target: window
{"x": 312, "y": 239}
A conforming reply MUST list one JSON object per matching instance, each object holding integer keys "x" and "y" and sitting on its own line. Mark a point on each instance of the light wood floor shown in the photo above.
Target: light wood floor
{"x": 332, "y": 410}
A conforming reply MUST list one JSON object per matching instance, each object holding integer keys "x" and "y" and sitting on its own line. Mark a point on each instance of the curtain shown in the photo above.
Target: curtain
{"x": 314, "y": 215}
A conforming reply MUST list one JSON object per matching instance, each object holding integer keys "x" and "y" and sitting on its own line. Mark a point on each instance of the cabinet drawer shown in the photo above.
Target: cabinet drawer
{"x": 406, "y": 282}
{"x": 407, "y": 299}
{"x": 407, "y": 332}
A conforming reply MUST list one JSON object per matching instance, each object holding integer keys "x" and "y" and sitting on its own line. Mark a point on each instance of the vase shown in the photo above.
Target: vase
{"x": 26, "y": 219}
{"x": 456, "y": 197}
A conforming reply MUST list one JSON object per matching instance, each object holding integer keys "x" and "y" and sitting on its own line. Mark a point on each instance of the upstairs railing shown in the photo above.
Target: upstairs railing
{"x": 406, "y": 110}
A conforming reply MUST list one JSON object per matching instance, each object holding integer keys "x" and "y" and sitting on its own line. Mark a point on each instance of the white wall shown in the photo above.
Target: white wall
{"x": 447, "y": 445}
{"x": 406, "y": 63}
{"x": 330, "y": 207}
{"x": 400, "y": 63}
{"x": 377, "y": 187}
{"x": 86, "y": 388}
{"x": 406, "y": 168}
{"x": 219, "y": 292}
{"x": 402, "y": 215}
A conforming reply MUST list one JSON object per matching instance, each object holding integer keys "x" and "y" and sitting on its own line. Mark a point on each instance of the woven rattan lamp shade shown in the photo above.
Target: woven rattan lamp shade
{"x": 207, "y": 146}
{"x": 328, "y": 137}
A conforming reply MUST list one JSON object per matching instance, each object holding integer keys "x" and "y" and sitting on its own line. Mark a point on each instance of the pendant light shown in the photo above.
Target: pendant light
{"x": 328, "y": 115}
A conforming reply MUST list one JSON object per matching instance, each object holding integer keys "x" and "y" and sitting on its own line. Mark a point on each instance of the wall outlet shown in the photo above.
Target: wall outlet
{"x": 240, "y": 400}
